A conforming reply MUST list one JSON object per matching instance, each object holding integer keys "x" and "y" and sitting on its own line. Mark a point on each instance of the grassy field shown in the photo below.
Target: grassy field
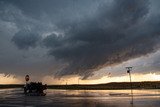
{"x": 107, "y": 86}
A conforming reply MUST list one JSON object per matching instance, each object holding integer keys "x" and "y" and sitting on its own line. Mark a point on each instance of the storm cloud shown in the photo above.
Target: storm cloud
{"x": 85, "y": 36}
{"x": 116, "y": 35}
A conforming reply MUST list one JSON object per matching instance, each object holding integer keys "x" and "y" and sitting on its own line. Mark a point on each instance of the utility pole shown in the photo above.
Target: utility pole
{"x": 129, "y": 69}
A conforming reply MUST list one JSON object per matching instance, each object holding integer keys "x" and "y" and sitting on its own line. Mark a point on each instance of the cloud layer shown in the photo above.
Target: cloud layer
{"x": 78, "y": 38}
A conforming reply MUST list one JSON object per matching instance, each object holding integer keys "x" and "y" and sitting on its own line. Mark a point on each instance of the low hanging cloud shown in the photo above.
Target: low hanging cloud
{"x": 101, "y": 34}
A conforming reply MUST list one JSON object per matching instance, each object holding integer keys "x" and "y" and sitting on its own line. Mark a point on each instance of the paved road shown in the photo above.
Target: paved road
{"x": 81, "y": 98}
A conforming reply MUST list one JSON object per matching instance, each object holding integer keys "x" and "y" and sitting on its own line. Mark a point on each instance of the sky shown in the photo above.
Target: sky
{"x": 66, "y": 40}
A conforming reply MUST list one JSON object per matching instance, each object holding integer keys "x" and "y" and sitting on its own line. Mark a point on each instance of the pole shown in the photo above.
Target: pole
{"x": 131, "y": 87}
{"x": 129, "y": 72}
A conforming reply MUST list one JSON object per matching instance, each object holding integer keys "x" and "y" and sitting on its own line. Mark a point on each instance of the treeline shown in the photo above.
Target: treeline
{"x": 110, "y": 86}
{"x": 11, "y": 86}
{"x": 107, "y": 86}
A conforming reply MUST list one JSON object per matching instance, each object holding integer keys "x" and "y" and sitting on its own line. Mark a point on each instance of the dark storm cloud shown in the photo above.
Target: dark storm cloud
{"x": 83, "y": 35}
{"x": 25, "y": 39}
{"x": 122, "y": 32}
{"x": 24, "y": 23}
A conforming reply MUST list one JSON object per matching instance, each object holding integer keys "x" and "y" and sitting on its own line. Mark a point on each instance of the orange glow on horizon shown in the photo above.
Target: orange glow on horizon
{"x": 124, "y": 78}
{"x": 9, "y": 79}
{"x": 76, "y": 80}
